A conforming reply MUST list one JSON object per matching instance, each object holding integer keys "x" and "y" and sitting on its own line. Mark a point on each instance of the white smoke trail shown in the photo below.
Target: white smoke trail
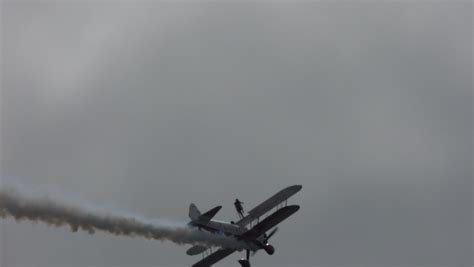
{"x": 56, "y": 213}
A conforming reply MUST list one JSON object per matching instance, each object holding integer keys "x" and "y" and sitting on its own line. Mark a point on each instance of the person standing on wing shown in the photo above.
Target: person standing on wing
{"x": 239, "y": 208}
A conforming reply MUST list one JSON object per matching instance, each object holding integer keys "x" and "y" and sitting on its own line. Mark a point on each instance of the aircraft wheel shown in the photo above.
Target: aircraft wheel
{"x": 244, "y": 263}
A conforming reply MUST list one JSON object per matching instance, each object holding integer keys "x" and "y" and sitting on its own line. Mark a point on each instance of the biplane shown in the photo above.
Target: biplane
{"x": 251, "y": 230}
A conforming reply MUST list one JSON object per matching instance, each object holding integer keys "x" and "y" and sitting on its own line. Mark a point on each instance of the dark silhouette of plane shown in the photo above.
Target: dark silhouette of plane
{"x": 249, "y": 230}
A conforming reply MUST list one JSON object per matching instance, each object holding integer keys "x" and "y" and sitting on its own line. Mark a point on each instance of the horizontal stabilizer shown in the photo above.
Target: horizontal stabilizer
{"x": 205, "y": 217}
{"x": 194, "y": 250}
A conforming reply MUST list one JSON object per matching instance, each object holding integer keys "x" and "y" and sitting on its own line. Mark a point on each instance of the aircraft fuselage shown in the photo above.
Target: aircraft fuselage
{"x": 228, "y": 229}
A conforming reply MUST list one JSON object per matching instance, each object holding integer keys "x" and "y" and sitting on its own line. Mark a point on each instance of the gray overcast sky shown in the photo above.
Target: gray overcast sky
{"x": 149, "y": 106}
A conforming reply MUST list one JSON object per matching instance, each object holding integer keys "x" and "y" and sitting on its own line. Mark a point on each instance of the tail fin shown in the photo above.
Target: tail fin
{"x": 194, "y": 212}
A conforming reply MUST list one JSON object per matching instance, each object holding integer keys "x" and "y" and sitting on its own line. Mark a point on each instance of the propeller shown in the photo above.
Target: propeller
{"x": 267, "y": 237}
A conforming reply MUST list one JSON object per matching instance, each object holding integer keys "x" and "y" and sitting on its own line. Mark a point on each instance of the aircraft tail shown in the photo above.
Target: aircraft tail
{"x": 195, "y": 214}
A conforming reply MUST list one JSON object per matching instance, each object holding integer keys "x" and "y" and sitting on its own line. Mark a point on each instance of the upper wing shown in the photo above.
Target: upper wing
{"x": 214, "y": 257}
{"x": 269, "y": 204}
{"x": 269, "y": 222}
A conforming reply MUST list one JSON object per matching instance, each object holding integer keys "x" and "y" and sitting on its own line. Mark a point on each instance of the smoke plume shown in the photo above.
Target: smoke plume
{"x": 57, "y": 213}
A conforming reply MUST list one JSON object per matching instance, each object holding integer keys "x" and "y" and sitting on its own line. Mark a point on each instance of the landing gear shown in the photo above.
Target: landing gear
{"x": 245, "y": 262}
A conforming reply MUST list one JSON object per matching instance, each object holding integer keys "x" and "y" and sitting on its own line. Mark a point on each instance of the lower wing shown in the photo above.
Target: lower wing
{"x": 214, "y": 257}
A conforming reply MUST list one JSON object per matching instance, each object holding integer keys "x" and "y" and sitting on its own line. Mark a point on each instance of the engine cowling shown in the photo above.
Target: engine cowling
{"x": 269, "y": 249}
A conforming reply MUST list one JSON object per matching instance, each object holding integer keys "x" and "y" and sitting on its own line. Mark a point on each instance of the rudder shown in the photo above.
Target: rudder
{"x": 194, "y": 212}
